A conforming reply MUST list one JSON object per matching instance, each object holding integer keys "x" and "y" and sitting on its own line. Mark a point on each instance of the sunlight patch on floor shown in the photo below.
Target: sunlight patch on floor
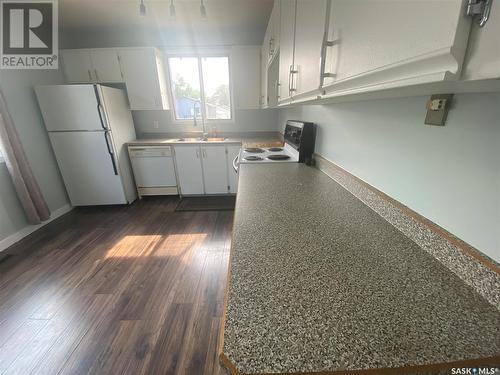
{"x": 172, "y": 245}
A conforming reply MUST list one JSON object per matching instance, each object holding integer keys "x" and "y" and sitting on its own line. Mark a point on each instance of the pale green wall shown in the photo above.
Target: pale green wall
{"x": 17, "y": 86}
{"x": 449, "y": 174}
{"x": 248, "y": 120}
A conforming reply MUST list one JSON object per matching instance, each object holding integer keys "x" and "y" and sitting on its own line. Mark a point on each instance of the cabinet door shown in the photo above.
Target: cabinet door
{"x": 246, "y": 67}
{"x": 263, "y": 76}
{"x": 273, "y": 84}
{"x": 140, "y": 71}
{"x": 77, "y": 66}
{"x": 215, "y": 169}
{"x": 189, "y": 171}
{"x": 106, "y": 65}
{"x": 232, "y": 153}
{"x": 395, "y": 42}
{"x": 309, "y": 32}
{"x": 287, "y": 40}
{"x": 274, "y": 30}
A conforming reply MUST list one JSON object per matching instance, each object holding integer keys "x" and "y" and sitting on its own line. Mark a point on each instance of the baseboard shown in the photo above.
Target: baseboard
{"x": 26, "y": 231}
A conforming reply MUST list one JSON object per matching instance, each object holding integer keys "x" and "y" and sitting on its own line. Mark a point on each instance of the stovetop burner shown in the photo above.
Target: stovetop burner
{"x": 278, "y": 157}
{"x": 254, "y": 150}
{"x": 253, "y": 158}
{"x": 275, "y": 149}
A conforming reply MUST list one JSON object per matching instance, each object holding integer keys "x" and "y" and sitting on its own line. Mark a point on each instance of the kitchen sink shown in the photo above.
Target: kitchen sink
{"x": 190, "y": 140}
{"x": 208, "y": 139}
{"x": 213, "y": 139}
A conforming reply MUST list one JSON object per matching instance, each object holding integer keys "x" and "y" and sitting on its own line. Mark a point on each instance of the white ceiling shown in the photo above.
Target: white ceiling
{"x": 107, "y": 23}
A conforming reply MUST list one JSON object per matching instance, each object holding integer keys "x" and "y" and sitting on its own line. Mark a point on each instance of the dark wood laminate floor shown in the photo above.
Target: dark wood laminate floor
{"x": 117, "y": 290}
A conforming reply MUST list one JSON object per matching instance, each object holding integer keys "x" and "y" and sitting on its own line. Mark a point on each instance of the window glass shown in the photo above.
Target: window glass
{"x": 207, "y": 97}
{"x": 216, "y": 87}
{"x": 185, "y": 79}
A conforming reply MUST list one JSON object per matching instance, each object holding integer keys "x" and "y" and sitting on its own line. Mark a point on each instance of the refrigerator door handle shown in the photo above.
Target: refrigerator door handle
{"x": 109, "y": 144}
{"x": 102, "y": 116}
{"x": 100, "y": 111}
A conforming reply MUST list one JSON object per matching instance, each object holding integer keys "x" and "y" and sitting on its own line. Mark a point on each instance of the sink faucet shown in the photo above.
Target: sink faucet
{"x": 205, "y": 134}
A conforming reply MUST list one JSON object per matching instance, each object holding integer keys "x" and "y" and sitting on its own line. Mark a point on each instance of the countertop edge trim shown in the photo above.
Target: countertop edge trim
{"x": 406, "y": 370}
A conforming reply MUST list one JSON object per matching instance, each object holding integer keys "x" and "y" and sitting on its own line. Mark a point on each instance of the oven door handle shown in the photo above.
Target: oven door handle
{"x": 235, "y": 163}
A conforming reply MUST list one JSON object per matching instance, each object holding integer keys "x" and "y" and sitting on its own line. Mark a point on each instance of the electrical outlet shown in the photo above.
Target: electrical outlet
{"x": 156, "y": 124}
{"x": 437, "y": 109}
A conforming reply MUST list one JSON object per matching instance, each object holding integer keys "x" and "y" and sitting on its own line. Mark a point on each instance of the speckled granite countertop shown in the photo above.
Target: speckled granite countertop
{"x": 320, "y": 282}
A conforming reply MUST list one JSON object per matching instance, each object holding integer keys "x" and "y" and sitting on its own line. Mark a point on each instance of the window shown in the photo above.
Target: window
{"x": 200, "y": 87}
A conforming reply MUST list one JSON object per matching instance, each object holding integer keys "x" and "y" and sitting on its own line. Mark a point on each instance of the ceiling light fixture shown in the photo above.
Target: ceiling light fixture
{"x": 142, "y": 8}
{"x": 172, "y": 8}
{"x": 203, "y": 10}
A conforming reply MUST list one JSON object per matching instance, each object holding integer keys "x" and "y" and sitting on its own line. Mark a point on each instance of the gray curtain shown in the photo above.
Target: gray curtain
{"x": 27, "y": 188}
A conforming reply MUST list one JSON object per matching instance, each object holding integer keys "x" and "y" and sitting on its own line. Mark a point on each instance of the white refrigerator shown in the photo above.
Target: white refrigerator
{"x": 89, "y": 127}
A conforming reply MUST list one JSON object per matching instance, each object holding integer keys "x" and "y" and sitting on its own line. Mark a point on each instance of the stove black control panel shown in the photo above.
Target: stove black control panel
{"x": 301, "y": 136}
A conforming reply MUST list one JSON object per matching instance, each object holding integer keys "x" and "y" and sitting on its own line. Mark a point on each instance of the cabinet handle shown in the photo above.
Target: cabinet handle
{"x": 90, "y": 75}
{"x": 322, "y": 63}
{"x": 235, "y": 163}
{"x": 197, "y": 153}
{"x": 278, "y": 89}
{"x": 204, "y": 153}
{"x": 292, "y": 89}
{"x": 96, "y": 75}
{"x": 480, "y": 8}
{"x": 324, "y": 47}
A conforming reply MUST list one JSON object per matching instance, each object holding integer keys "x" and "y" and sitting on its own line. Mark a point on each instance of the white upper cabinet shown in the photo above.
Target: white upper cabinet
{"x": 329, "y": 49}
{"x": 287, "y": 41}
{"x": 246, "y": 65}
{"x": 106, "y": 65}
{"x": 310, "y": 22}
{"x": 263, "y": 76}
{"x": 273, "y": 84}
{"x": 269, "y": 53}
{"x": 382, "y": 44}
{"x": 272, "y": 39}
{"x": 483, "y": 54}
{"x": 77, "y": 66}
{"x": 99, "y": 65}
{"x": 144, "y": 78}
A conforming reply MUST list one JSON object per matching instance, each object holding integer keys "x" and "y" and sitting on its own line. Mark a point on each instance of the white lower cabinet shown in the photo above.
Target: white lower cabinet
{"x": 189, "y": 171}
{"x": 206, "y": 169}
{"x": 214, "y": 162}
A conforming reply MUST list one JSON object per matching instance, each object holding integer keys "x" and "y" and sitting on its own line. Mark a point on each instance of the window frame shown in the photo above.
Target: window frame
{"x": 199, "y": 57}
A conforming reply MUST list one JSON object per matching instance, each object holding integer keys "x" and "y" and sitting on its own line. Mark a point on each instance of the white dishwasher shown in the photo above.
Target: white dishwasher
{"x": 154, "y": 170}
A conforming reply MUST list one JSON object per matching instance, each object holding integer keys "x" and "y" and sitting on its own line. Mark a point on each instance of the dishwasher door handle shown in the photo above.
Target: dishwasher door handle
{"x": 235, "y": 163}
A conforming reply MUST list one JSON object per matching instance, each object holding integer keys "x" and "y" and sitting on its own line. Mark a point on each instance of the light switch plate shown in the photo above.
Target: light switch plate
{"x": 437, "y": 109}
